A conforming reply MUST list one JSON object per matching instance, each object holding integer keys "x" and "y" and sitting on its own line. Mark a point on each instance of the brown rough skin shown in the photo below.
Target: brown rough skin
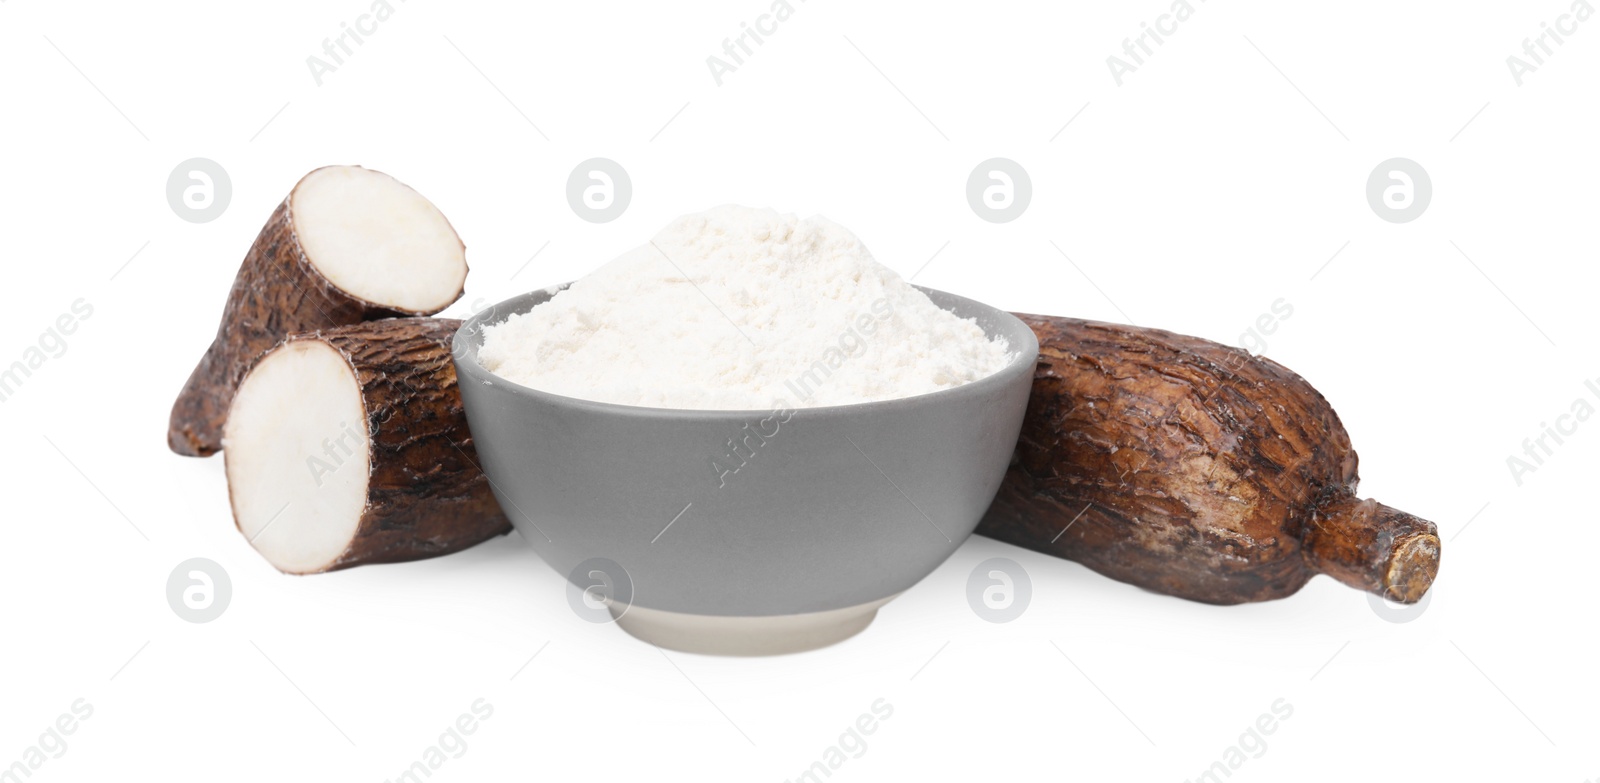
{"x": 427, "y": 495}
{"x": 278, "y": 292}
{"x": 1196, "y": 470}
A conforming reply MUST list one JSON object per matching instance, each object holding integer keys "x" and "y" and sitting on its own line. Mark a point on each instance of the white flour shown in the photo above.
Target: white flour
{"x": 742, "y": 309}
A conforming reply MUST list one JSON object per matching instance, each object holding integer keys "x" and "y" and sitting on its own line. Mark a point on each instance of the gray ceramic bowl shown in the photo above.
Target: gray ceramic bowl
{"x": 835, "y": 510}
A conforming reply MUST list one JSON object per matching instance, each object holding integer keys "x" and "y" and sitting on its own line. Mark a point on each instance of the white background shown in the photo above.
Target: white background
{"x": 1207, "y": 186}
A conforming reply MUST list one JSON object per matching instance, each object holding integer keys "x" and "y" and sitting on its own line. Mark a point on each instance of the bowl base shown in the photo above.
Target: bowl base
{"x": 735, "y": 635}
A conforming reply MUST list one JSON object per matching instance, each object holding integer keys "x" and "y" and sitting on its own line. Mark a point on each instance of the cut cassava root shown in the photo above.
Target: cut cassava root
{"x": 347, "y": 245}
{"x": 349, "y": 446}
{"x": 1197, "y": 470}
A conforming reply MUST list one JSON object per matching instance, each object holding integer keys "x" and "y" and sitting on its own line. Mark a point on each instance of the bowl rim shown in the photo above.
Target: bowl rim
{"x": 468, "y": 338}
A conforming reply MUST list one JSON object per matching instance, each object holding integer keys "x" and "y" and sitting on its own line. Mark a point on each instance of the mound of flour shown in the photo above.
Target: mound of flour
{"x": 741, "y": 309}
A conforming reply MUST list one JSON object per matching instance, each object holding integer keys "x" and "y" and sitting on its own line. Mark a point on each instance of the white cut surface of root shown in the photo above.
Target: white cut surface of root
{"x": 377, "y": 239}
{"x": 297, "y": 456}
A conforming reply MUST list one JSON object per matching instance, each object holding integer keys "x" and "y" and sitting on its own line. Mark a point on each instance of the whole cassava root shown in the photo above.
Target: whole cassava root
{"x": 349, "y": 446}
{"x": 1197, "y": 470}
{"x": 347, "y": 245}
